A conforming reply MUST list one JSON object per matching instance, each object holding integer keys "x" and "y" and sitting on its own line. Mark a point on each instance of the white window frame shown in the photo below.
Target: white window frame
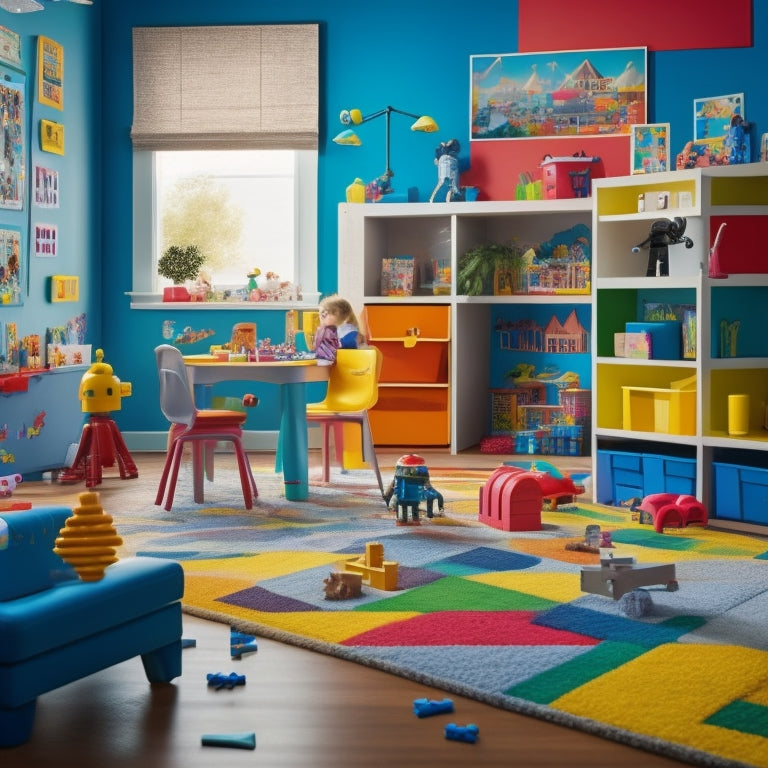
{"x": 145, "y": 289}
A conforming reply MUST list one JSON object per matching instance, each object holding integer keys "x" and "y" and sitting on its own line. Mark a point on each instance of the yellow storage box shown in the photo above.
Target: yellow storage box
{"x": 654, "y": 409}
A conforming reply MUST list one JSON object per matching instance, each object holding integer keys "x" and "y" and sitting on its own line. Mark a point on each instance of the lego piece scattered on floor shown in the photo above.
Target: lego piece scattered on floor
{"x": 465, "y": 733}
{"x": 218, "y": 680}
{"x": 429, "y": 707}
{"x": 231, "y": 740}
{"x": 241, "y": 644}
{"x": 188, "y": 642}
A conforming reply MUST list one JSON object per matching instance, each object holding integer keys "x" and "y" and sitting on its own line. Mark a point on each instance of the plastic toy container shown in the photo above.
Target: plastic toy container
{"x": 654, "y": 409}
{"x": 556, "y": 178}
{"x": 740, "y": 493}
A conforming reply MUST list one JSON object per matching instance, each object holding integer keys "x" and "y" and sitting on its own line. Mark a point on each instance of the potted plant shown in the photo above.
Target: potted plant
{"x": 479, "y": 268}
{"x": 179, "y": 264}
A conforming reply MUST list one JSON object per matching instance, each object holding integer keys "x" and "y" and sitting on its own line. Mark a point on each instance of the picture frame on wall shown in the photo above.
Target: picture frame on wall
{"x": 712, "y": 116}
{"x": 559, "y": 94}
{"x": 50, "y": 72}
{"x": 46, "y": 189}
{"x": 10, "y": 47}
{"x": 649, "y": 148}
{"x": 12, "y": 266}
{"x": 52, "y": 137}
{"x": 12, "y": 105}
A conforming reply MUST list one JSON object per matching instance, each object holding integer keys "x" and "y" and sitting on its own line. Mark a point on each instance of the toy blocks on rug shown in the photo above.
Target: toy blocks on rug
{"x": 375, "y": 570}
{"x": 511, "y": 500}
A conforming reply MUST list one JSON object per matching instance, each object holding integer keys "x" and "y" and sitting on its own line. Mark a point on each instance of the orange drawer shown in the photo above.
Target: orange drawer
{"x": 411, "y": 416}
{"x": 394, "y": 322}
{"x": 424, "y": 363}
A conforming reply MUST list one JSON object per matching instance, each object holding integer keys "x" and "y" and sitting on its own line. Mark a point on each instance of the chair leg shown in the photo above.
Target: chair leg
{"x": 326, "y": 452}
{"x": 246, "y": 476}
{"x": 178, "y": 447}
{"x": 369, "y": 451}
{"x": 164, "y": 476}
{"x": 198, "y": 450}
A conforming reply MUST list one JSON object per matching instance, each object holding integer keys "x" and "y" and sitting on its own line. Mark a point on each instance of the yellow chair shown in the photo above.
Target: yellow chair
{"x": 353, "y": 388}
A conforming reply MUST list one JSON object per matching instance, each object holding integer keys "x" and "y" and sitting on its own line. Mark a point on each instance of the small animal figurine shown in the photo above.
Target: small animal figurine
{"x": 343, "y": 586}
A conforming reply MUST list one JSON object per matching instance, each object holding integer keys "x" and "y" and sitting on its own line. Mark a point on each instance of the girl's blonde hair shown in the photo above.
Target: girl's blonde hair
{"x": 335, "y": 305}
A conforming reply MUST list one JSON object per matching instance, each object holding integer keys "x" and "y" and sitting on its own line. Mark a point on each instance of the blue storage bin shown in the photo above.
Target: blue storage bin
{"x": 666, "y": 337}
{"x": 623, "y": 475}
{"x": 740, "y": 493}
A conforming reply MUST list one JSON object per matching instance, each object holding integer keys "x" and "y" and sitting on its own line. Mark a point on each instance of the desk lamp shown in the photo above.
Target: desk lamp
{"x": 348, "y": 117}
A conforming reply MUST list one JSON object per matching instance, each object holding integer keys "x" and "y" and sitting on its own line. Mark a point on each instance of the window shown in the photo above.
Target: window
{"x": 244, "y": 186}
{"x": 243, "y": 208}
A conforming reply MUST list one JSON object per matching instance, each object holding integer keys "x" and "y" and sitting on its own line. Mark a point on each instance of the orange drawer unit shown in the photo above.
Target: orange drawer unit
{"x": 414, "y": 386}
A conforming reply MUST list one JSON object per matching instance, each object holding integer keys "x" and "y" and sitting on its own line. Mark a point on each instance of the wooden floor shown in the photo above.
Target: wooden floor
{"x": 306, "y": 709}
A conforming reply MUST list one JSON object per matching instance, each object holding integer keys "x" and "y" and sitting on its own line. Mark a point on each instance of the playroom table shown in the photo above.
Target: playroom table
{"x": 291, "y": 376}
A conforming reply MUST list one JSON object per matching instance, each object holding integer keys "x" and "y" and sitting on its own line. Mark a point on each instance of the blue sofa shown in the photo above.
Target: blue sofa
{"x": 55, "y": 628}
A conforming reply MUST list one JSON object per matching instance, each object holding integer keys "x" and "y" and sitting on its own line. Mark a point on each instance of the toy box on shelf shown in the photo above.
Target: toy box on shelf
{"x": 397, "y": 276}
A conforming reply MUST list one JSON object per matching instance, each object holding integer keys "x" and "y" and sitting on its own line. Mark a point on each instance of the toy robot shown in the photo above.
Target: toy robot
{"x": 664, "y": 232}
{"x": 409, "y": 487}
{"x": 447, "y": 162}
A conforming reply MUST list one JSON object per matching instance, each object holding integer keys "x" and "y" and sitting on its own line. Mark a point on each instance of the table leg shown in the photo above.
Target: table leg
{"x": 293, "y": 440}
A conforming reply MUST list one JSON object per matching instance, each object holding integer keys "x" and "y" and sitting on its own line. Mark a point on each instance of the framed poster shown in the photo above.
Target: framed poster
{"x": 650, "y": 148}
{"x": 10, "y": 47}
{"x": 52, "y": 137}
{"x": 557, "y": 94}
{"x": 10, "y": 265}
{"x": 713, "y": 118}
{"x": 12, "y": 162}
{"x": 46, "y": 187}
{"x": 50, "y": 72}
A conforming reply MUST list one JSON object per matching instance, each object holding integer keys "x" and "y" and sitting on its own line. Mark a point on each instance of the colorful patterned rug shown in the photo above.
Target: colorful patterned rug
{"x": 497, "y": 616}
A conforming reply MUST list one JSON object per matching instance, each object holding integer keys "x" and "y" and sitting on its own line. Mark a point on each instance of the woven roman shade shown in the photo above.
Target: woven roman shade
{"x": 225, "y": 87}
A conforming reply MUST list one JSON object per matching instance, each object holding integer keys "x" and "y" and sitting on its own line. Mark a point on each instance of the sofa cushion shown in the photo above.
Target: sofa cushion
{"x": 75, "y": 609}
{"x": 28, "y": 563}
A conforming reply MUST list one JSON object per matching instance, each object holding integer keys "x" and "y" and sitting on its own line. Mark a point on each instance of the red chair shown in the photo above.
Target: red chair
{"x": 202, "y": 428}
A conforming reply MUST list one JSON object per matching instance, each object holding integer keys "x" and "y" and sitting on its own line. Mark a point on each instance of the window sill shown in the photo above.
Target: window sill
{"x": 155, "y": 301}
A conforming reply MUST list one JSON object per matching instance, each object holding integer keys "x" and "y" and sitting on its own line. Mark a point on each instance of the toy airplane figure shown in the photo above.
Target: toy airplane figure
{"x": 447, "y": 161}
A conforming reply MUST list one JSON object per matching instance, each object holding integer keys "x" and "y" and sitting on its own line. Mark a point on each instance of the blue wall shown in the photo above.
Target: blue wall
{"x": 78, "y": 218}
{"x": 414, "y": 56}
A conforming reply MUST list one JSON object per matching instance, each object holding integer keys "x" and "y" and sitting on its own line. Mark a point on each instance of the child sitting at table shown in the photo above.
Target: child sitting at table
{"x": 338, "y": 329}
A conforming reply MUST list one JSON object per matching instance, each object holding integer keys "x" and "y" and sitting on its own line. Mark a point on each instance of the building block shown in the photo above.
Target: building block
{"x": 466, "y": 733}
{"x": 428, "y": 707}
{"x": 231, "y": 740}
{"x": 376, "y": 571}
{"x": 218, "y": 680}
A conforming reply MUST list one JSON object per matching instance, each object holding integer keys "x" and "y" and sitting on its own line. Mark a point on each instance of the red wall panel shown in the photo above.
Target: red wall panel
{"x": 660, "y": 25}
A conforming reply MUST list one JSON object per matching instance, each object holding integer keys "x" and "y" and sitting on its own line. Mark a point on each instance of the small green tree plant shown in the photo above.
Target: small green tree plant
{"x": 180, "y": 263}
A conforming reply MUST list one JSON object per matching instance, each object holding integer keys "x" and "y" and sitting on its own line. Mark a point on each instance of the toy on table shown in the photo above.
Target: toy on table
{"x": 409, "y": 487}
{"x": 218, "y": 680}
{"x": 101, "y": 444}
{"x": 428, "y": 707}
{"x": 466, "y": 733}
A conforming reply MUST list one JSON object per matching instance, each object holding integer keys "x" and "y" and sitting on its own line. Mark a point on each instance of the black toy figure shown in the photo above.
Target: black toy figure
{"x": 664, "y": 232}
